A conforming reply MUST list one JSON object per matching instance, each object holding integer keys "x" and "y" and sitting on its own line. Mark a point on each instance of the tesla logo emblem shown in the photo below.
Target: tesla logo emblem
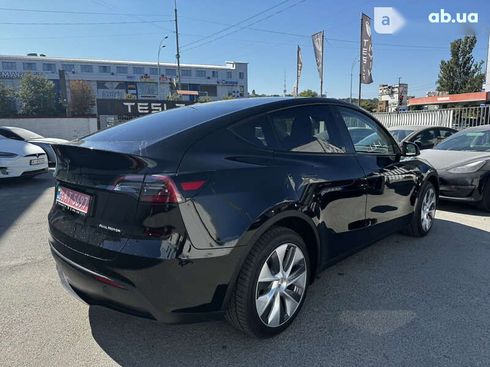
{"x": 147, "y": 107}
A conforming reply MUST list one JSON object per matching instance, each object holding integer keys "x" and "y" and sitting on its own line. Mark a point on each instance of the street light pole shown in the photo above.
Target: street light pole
{"x": 351, "y": 71}
{"x": 160, "y": 46}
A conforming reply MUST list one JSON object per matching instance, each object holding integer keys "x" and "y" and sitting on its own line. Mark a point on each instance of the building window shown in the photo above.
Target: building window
{"x": 153, "y": 71}
{"x": 209, "y": 90}
{"x": 50, "y": 68}
{"x": 121, "y": 69}
{"x": 9, "y": 65}
{"x": 170, "y": 72}
{"x": 138, "y": 70}
{"x": 201, "y": 73}
{"x": 29, "y": 66}
{"x": 86, "y": 68}
{"x": 186, "y": 72}
{"x": 214, "y": 74}
{"x": 104, "y": 69}
{"x": 241, "y": 75}
{"x": 68, "y": 67}
{"x": 229, "y": 75}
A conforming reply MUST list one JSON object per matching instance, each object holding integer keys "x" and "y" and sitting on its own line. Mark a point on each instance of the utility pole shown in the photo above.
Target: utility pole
{"x": 399, "y": 93}
{"x": 284, "y": 88}
{"x": 177, "y": 44}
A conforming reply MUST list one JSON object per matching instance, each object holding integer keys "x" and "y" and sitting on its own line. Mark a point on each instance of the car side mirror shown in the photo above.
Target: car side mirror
{"x": 410, "y": 149}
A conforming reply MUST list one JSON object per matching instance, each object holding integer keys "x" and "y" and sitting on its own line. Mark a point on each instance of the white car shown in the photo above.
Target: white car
{"x": 18, "y": 158}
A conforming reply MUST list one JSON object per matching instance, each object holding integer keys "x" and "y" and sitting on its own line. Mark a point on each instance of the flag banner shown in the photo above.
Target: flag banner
{"x": 299, "y": 63}
{"x": 366, "y": 50}
{"x": 317, "y": 39}
{"x": 299, "y": 68}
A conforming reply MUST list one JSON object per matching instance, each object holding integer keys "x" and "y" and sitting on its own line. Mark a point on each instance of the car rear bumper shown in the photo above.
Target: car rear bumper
{"x": 171, "y": 291}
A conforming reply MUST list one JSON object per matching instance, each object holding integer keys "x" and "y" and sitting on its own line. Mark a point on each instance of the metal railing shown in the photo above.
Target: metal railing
{"x": 457, "y": 118}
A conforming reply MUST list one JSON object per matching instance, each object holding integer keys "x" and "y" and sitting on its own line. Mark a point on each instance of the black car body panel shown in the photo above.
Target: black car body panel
{"x": 178, "y": 261}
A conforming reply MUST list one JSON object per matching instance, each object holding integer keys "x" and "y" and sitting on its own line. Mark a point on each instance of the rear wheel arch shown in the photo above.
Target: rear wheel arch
{"x": 292, "y": 219}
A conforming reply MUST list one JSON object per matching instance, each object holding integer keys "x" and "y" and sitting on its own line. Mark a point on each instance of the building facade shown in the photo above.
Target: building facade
{"x": 392, "y": 97}
{"x": 110, "y": 79}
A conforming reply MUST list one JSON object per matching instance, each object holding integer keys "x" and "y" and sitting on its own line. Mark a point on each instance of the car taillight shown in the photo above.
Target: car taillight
{"x": 159, "y": 189}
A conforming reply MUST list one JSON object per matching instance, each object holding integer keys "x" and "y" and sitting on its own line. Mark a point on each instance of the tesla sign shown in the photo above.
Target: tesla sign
{"x": 135, "y": 107}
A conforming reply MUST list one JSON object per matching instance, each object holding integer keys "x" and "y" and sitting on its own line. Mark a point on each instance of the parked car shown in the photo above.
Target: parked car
{"x": 426, "y": 137}
{"x": 18, "y": 158}
{"x": 423, "y": 136}
{"x": 18, "y": 133}
{"x": 229, "y": 207}
{"x": 463, "y": 163}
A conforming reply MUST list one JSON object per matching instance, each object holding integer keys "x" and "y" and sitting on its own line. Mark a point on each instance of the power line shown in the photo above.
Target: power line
{"x": 83, "y": 23}
{"x": 236, "y": 30}
{"x": 235, "y": 24}
{"x": 81, "y": 36}
{"x": 72, "y": 12}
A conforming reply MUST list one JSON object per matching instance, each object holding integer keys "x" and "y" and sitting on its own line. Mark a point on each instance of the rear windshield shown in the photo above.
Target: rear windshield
{"x": 136, "y": 135}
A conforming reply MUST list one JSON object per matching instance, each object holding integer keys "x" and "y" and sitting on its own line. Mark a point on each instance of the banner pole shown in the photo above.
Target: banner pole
{"x": 323, "y": 50}
{"x": 297, "y": 71}
{"x": 360, "y": 65}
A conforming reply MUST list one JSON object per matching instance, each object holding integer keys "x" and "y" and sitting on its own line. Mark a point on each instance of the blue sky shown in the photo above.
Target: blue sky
{"x": 414, "y": 53}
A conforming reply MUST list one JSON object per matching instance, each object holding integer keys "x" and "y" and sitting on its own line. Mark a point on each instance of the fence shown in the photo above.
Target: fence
{"x": 457, "y": 118}
{"x": 56, "y": 127}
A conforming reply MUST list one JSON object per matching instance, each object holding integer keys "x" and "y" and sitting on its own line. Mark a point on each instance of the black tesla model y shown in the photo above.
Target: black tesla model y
{"x": 229, "y": 208}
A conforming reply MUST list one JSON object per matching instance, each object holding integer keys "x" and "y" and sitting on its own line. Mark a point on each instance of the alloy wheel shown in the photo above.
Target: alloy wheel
{"x": 428, "y": 209}
{"x": 281, "y": 285}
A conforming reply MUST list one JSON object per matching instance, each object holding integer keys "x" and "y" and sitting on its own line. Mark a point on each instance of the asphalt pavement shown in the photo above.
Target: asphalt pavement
{"x": 400, "y": 302}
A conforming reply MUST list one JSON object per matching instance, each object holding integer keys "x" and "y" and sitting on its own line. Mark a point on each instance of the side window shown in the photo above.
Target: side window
{"x": 445, "y": 133}
{"x": 256, "y": 131}
{"x": 308, "y": 129}
{"x": 376, "y": 142}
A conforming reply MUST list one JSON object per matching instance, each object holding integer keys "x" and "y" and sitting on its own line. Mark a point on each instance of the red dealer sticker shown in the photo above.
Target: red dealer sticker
{"x": 73, "y": 200}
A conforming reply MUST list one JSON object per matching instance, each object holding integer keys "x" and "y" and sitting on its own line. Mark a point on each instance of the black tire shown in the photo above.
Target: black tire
{"x": 485, "y": 203}
{"x": 242, "y": 310}
{"x": 417, "y": 228}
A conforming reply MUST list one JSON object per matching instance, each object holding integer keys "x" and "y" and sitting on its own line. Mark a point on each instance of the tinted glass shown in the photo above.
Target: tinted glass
{"x": 378, "y": 142}
{"x": 426, "y": 136}
{"x": 307, "y": 129}
{"x": 138, "y": 134}
{"x": 445, "y": 133}
{"x": 358, "y": 133}
{"x": 399, "y": 135}
{"x": 471, "y": 140}
{"x": 256, "y": 131}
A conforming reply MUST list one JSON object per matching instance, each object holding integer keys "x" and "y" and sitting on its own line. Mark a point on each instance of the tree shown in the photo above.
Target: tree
{"x": 82, "y": 97}
{"x": 204, "y": 99}
{"x": 308, "y": 93}
{"x": 370, "y": 105}
{"x": 461, "y": 73}
{"x": 36, "y": 95}
{"x": 7, "y": 104}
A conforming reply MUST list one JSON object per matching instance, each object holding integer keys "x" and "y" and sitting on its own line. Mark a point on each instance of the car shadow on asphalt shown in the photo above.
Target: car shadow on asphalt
{"x": 18, "y": 194}
{"x": 401, "y": 299}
